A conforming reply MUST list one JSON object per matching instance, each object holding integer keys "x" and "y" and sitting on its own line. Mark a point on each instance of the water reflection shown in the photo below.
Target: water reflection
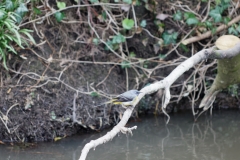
{"x": 211, "y": 138}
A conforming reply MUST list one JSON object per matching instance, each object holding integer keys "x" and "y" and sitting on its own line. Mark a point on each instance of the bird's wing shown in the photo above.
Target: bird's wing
{"x": 121, "y": 98}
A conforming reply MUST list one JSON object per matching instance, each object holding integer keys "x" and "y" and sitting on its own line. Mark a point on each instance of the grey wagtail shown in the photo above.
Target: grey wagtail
{"x": 126, "y": 98}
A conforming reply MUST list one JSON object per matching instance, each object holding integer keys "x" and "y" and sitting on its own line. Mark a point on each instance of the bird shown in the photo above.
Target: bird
{"x": 126, "y": 99}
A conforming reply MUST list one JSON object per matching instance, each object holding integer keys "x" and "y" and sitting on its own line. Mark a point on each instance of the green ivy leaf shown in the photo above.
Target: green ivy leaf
{"x": 36, "y": 10}
{"x": 232, "y": 30}
{"x": 109, "y": 45}
{"x": 189, "y": 15}
{"x": 61, "y": 5}
{"x": 94, "y": 1}
{"x": 118, "y": 39}
{"x": 191, "y": 21}
{"x": 190, "y": 18}
{"x": 161, "y": 56}
{"x": 127, "y": 23}
{"x": 169, "y": 38}
{"x": 238, "y": 28}
{"x": 209, "y": 24}
{"x": 216, "y": 15}
{"x": 125, "y": 64}
{"x": 226, "y": 20}
{"x": 95, "y": 41}
{"x": 9, "y": 5}
{"x": 59, "y": 16}
{"x": 20, "y": 11}
{"x": 177, "y": 16}
{"x": 143, "y": 23}
{"x": 214, "y": 30}
{"x": 94, "y": 94}
{"x": 128, "y": 1}
{"x": 218, "y": 2}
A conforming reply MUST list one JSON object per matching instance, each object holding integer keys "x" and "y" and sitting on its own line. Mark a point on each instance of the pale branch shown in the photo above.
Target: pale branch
{"x": 209, "y": 33}
{"x": 165, "y": 83}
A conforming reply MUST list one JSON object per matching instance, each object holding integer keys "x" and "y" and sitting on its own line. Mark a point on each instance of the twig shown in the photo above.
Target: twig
{"x": 209, "y": 33}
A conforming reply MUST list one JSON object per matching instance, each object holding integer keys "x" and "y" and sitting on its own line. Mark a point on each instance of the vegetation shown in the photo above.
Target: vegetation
{"x": 11, "y": 14}
{"x": 89, "y": 50}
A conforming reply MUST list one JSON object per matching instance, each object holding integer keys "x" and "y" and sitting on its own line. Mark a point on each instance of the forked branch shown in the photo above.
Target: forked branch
{"x": 210, "y": 53}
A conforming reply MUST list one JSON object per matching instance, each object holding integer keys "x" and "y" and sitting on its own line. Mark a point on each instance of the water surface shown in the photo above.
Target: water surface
{"x": 211, "y": 138}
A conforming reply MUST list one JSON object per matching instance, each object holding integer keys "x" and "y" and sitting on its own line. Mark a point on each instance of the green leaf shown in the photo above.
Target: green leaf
{"x": 138, "y": 2}
{"x": 109, "y": 45}
{"x": 128, "y": 1}
{"x": 4, "y": 62}
{"x": 125, "y": 64}
{"x": 216, "y": 15}
{"x": 22, "y": 8}
{"x": 177, "y": 16}
{"x": 59, "y": 16}
{"x": 161, "y": 56}
{"x": 238, "y": 28}
{"x": 61, "y": 5}
{"x": 94, "y": 94}
{"x": 2, "y": 14}
{"x": 184, "y": 47}
{"x": 53, "y": 115}
{"x": 189, "y": 15}
{"x": 118, "y": 39}
{"x": 26, "y": 32}
{"x": 214, "y": 30}
{"x": 11, "y": 49}
{"x": 104, "y": 15}
{"x": 190, "y": 18}
{"x": 18, "y": 40}
{"x": 191, "y": 21}
{"x": 127, "y": 23}
{"x": 232, "y": 30}
{"x": 95, "y": 41}
{"x": 143, "y": 23}
{"x": 132, "y": 55}
{"x": 94, "y": 1}
{"x": 8, "y": 36}
{"x": 20, "y": 11}
{"x": 169, "y": 38}
{"x": 218, "y": 2}
{"x": 209, "y": 24}
{"x": 226, "y": 20}
{"x": 9, "y": 5}
{"x": 36, "y": 10}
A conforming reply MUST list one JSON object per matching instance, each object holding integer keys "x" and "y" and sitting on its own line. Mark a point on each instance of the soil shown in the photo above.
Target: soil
{"x": 52, "y": 93}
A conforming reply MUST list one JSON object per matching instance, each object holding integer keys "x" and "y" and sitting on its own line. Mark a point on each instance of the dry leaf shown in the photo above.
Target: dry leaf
{"x": 144, "y": 42}
{"x": 162, "y": 16}
{"x": 125, "y": 7}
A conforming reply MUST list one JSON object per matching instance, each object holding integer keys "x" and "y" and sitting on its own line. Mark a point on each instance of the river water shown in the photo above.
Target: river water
{"x": 210, "y": 138}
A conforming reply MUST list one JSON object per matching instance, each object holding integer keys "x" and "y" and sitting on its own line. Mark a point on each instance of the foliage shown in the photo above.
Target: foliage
{"x": 59, "y": 15}
{"x": 169, "y": 38}
{"x": 11, "y": 13}
{"x": 190, "y": 18}
{"x": 233, "y": 90}
{"x": 125, "y": 64}
{"x": 94, "y": 94}
{"x": 127, "y": 23}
